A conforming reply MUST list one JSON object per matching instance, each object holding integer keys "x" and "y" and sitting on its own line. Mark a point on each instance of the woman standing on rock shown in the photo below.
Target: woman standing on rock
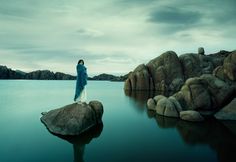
{"x": 80, "y": 92}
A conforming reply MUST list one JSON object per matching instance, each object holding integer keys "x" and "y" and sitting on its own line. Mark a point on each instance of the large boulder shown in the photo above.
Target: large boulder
{"x": 139, "y": 79}
{"x": 227, "y": 71}
{"x": 228, "y": 112}
{"x": 195, "y": 94}
{"x": 195, "y": 65}
{"x": 166, "y": 71}
{"x": 204, "y": 93}
{"x": 73, "y": 119}
{"x": 164, "y": 106}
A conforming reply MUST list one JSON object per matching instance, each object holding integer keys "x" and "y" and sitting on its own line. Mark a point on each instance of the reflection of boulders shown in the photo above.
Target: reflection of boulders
{"x": 210, "y": 132}
{"x": 81, "y": 140}
{"x": 73, "y": 119}
{"x": 166, "y": 122}
{"x": 191, "y": 115}
{"x": 139, "y": 98}
{"x": 202, "y": 91}
{"x": 231, "y": 125}
{"x": 228, "y": 112}
{"x": 213, "y": 133}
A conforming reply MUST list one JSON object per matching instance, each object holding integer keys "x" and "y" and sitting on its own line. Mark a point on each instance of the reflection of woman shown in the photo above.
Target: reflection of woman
{"x": 80, "y": 92}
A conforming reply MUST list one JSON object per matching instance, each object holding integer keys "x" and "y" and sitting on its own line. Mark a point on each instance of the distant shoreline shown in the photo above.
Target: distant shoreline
{"x": 9, "y": 74}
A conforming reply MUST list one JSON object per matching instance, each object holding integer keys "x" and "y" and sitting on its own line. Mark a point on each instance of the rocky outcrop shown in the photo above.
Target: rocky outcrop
{"x": 209, "y": 86}
{"x": 73, "y": 119}
{"x": 168, "y": 72}
{"x": 7, "y": 73}
{"x": 140, "y": 79}
{"x": 162, "y": 73}
{"x": 204, "y": 93}
{"x": 165, "y": 106}
{"x": 109, "y": 77}
{"x": 48, "y": 75}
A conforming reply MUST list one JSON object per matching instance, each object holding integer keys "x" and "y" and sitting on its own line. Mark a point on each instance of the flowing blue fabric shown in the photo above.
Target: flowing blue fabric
{"x": 81, "y": 79}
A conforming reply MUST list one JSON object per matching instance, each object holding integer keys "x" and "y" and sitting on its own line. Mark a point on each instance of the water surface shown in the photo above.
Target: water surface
{"x": 129, "y": 132}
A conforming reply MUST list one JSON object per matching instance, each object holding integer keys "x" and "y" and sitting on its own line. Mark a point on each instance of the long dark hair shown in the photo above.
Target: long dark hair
{"x": 81, "y": 61}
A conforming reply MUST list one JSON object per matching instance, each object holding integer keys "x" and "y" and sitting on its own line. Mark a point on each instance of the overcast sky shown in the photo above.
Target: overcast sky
{"x": 112, "y": 36}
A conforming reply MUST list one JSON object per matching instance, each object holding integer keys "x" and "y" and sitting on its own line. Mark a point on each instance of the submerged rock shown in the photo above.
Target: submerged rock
{"x": 73, "y": 119}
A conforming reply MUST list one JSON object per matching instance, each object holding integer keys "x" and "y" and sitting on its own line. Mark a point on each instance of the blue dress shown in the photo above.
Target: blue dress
{"x": 81, "y": 80}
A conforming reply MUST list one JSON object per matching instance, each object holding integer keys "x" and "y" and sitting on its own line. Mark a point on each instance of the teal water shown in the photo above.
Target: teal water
{"x": 129, "y": 131}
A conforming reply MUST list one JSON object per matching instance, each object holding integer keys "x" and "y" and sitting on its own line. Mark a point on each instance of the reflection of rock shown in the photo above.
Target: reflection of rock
{"x": 191, "y": 115}
{"x": 81, "y": 140}
{"x": 228, "y": 112}
{"x": 213, "y": 133}
{"x": 166, "y": 122}
{"x": 73, "y": 119}
{"x": 210, "y": 132}
{"x": 231, "y": 125}
{"x": 139, "y": 97}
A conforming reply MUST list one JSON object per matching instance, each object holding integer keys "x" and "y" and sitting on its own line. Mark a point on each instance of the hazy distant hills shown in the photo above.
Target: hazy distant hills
{"x": 109, "y": 77}
{"x": 7, "y": 73}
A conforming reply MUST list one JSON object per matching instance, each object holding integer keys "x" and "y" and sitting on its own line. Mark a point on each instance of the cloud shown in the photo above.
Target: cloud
{"x": 110, "y": 35}
{"x": 175, "y": 16}
{"x": 89, "y": 32}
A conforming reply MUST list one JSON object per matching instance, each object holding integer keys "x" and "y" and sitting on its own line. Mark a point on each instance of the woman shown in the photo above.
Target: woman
{"x": 80, "y": 92}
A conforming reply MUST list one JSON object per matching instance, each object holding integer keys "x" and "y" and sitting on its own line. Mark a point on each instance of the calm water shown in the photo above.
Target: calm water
{"x": 129, "y": 131}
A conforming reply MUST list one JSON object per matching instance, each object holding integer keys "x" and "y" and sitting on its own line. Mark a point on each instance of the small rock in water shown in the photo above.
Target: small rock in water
{"x": 73, "y": 119}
